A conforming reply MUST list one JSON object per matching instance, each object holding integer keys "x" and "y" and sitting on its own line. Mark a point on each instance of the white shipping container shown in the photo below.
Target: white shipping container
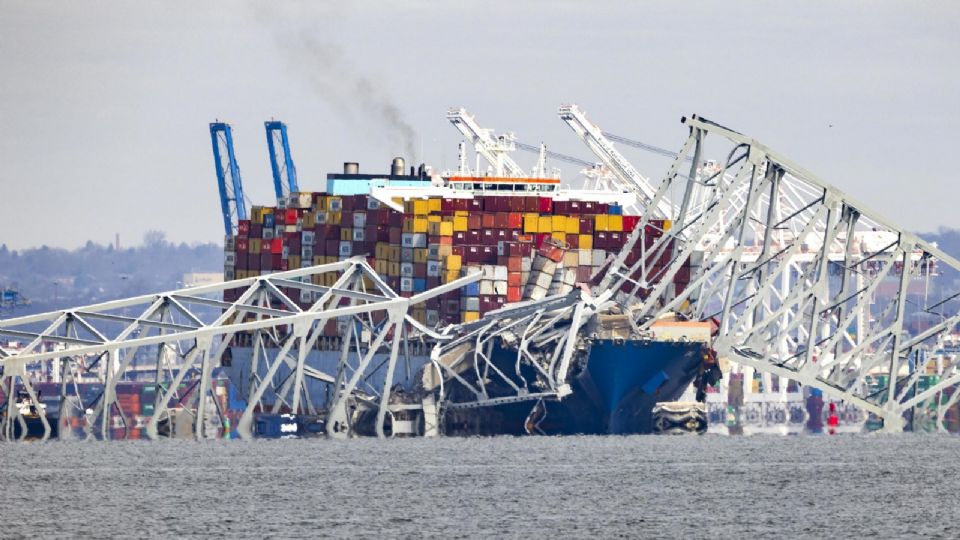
{"x": 419, "y": 240}
{"x": 267, "y": 234}
{"x": 373, "y": 204}
{"x": 229, "y": 274}
{"x": 500, "y": 287}
{"x": 406, "y": 255}
{"x": 306, "y": 252}
{"x": 526, "y": 264}
{"x": 486, "y": 286}
{"x": 570, "y": 276}
{"x": 321, "y": 218}
{"x": 306, "y": 297}
{"x": 471, "y": 303}
{"x": 406, "y": 284}
{"x": 229, "y": 243}
{"x": 359, "y": 235}
{"x": 406, "y": 240}
{"x": 543, "y": 280}
{"x": 488, "y": 271}
{"x": 433, "y": 317}
{"x": 585, "y": 257}
{"x": 599, "y": 256}
{"x": 434, "y": 268}
{"x": 285, "y": 252}
{"x": 500, "y": 273}
{"x": 307, "y": 237}
{"x": 406, "y": 269}
{"x": 229, "y": 258}
{"x": 359, "y": 219}
{"x": 346, "y": 248}
{"x": 335, "y": 205}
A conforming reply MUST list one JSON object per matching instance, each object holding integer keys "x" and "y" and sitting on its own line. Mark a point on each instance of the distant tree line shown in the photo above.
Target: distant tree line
{"x": 52, "y": 278}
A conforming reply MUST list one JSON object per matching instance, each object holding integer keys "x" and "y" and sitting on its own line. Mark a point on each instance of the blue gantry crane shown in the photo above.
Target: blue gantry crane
{"x": 232, "y": 202}
{"x": 277, "y": 135}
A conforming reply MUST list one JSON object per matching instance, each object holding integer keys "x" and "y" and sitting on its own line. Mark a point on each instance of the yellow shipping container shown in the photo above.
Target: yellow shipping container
{"x": 667, "y": 223}
{"x": 333, "y": 218}
{"x": 434, "y": 218}
{"x": 421, "y": 207}
{"x": 433, "y": 228}
{"x": 559, "y": 224}
{"x": 572, "y": 225}
{"x": 433, "y": 204}
{"x": 453, "y": 262}
{"x": 317, "y": 279}
{"x": 346, "y": 234}
{"x": 601, "y": 223}
{"x": 394, "y": 254}
{"x": 615, "y": 223}
{"x": 451, "y": 275}
{"x": 461, "y": 213}
{"x": 420, "y": 224}
{"x": 293, "y": 262}
{"x": 320, "y": 203}
{"x": 560, "y": 236}
{"x": 309, "y": 220}
{"x": 255, "y": 244}
{"x": 545, "y": 224}
{"x": 318, "y": 260}
{"x": 420, "y": 255}
{"x": 407, "y": 225}
{"x": 393, "y": 270}
{"x": 444, "y": 250}
{"x": 459, "y": 223}
{"x": 531, "y": 223}
{"x": 586, "y": 241}
{"x": 446, "y": 228}
{"x": 332, "y": 259}
{"x": 470, "y": 316}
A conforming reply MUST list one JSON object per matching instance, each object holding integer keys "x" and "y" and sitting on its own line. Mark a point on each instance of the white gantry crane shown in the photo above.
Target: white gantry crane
{"x": 495, "y": 149}
{"x": 629, "y": 178}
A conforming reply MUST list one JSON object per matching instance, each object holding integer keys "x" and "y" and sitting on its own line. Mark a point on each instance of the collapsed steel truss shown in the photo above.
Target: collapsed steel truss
{"x": 788, "y": 267}
{"x": 187, "y": 333}
{"x": 786, "y": 264}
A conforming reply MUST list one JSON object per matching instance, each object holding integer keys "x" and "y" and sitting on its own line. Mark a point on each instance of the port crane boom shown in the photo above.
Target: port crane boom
{"x": 494, "y": 149}
{"x": 628, "y": 176}
{"x": 284, "y": 172}
{"x": 232, "y": 203}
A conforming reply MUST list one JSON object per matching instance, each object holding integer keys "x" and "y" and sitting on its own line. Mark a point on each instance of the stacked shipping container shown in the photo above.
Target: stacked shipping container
{"x": 524, "y": 246}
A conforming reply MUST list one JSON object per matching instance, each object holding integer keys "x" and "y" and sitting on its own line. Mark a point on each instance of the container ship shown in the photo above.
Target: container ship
{"x": 529, "y": 237}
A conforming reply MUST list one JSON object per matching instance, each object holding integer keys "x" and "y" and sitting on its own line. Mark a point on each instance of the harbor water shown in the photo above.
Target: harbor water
{"x": 576, "y": 487}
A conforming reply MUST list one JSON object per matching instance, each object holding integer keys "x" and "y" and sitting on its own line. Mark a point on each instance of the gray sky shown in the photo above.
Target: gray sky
{"x": 105, "y": 105}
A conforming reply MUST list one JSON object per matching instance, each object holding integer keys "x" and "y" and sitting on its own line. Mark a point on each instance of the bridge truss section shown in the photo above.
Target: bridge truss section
{"x": 790, "y": 268}
{"x": 184, "y": 335}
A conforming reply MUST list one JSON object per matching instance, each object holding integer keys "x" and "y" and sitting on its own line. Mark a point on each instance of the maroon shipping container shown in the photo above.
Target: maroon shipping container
{"x": 242, "y": 244}
{"x": 489, "y": 255}
{"x": 395, "y": 235}
{"x": 473, "y": 236}
{"x": 531, "y": 204}
{"x": 586, "y": 225}
{"x": 243, "y": 227}
{"x": 489, "y": 237}
{"x": 459, "y": 238}
{"x": 419, "y": 270}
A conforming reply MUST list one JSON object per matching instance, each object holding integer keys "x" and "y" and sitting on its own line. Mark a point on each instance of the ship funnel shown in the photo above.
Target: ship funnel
{"x": 396, "y": 168}
{"x": 350, "y": 167}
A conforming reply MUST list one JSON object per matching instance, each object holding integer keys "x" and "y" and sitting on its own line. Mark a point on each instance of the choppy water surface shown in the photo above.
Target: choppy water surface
{"x": 691, "y": 487}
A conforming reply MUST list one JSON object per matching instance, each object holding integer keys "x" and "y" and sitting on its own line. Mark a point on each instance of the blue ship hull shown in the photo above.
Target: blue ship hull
{"x": 613, "y": 392}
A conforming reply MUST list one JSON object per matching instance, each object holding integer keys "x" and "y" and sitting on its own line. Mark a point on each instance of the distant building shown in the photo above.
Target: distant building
{"x": 199, "y": 279}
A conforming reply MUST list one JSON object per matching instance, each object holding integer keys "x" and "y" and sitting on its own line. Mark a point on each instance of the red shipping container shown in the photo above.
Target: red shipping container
{"x": 501, "y": 220}
{"x": 540, "y": 238}
{"x": 545, "y": 205}
{"x": 573, "y": 240}
{"x": 515, "y": 204}
{"x": 514, "y": 279}
{"x": 474, "y": 222}
{"x": 515, "y": 219}
{"x": 514, "y": 264}
{"x": 514, "y": 294}
{"x": 531, "y": 204}
{"x": 488, "y": 220}
{"x": 291, "y": 216}
{"x": 276, "y": 246}
{"x": 630, "y": 223}
{"x": 243, "y": 227}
